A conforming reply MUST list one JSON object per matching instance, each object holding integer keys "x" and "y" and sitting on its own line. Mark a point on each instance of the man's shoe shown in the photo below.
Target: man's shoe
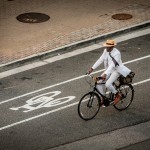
{"x": 117, "y": 98}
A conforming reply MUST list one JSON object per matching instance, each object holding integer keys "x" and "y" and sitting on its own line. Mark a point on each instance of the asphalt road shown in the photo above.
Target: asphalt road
{"x": 38, "y": 108}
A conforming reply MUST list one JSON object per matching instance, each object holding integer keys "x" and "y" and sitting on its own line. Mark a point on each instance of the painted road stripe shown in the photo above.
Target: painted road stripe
{"x": 71, "y": 54}
{"x": 67, "y": 81}
{"x": 55, "y": 110}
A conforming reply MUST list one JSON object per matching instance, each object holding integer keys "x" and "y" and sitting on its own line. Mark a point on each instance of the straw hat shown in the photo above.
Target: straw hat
{"x": 109, "y": 43}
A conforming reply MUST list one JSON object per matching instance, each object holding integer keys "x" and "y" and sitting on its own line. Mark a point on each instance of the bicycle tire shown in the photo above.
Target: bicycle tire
{"x": 87, "y": 102}
{"x": 126, "y": 99}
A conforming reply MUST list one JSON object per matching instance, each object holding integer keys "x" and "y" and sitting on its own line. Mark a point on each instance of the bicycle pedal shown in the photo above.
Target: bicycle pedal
{"x": 103, "y": 106}
{"x": 111, "y": 103}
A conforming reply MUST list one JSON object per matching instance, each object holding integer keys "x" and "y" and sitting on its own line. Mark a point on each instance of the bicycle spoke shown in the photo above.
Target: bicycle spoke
{"x": 127, "y": 97}
{"x": 88, "y": 106}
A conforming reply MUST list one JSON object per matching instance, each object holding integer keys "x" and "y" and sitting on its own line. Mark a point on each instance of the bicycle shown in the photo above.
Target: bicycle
{"x": 90, "y": 103}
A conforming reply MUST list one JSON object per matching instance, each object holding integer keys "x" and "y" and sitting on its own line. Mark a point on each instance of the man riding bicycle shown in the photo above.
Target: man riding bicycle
{"x": 114, "y": 67}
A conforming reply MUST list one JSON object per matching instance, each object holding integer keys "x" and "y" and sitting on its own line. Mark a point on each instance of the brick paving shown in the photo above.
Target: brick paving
{"x": 19, "y": 40}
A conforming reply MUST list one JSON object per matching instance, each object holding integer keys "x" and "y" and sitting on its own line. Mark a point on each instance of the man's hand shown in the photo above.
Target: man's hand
{"x": 90, "y": 70}
{"x": 104, "y": 76}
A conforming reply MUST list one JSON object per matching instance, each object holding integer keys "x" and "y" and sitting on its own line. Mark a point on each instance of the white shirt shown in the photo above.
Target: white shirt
{"x": 109, "y": 64}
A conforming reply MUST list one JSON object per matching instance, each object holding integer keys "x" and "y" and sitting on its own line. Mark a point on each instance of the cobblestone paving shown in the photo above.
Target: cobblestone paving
{"x": 139, "y": 12}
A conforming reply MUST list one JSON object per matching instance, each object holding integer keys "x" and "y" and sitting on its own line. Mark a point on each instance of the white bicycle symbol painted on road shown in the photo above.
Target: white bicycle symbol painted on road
{"x": 44, "y": 100}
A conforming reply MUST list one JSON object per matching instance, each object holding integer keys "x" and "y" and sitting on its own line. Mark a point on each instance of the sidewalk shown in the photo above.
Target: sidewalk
{"x": 70, "y": 22}
{"x": 136, "y": 137}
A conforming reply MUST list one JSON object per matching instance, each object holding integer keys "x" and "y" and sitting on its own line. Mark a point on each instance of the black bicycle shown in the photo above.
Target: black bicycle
{"x": 89, "y": 105}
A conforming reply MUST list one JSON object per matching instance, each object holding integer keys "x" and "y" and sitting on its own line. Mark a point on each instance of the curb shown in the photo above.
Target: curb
{"x": 134, "y": 133}
{"x": 70, "y": 47}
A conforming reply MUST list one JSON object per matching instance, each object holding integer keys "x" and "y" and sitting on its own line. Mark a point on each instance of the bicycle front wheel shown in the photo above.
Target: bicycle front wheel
{"x": 89, "y": 106}
{"x": 127, "y": 97}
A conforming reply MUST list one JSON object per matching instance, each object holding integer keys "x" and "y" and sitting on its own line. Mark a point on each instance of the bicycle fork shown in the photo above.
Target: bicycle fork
{"x": 90, "y": 101}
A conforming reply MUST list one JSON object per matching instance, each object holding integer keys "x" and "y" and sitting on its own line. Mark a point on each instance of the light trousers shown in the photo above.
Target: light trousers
{"x": 108, "y": 83}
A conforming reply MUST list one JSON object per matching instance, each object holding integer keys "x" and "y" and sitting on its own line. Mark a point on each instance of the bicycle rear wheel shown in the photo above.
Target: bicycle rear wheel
{"x": 127, "y": 97}
{"x": 89, "y": 106}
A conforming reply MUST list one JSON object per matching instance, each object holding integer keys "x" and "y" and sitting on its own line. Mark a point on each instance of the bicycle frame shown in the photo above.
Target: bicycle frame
{"x": 106, "y": 100}
{"x": 95, "y": 99}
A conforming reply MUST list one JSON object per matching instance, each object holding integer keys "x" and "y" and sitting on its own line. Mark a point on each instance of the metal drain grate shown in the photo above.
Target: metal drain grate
{"x": 32, "y": 17}
{"x": 122, "y": 16}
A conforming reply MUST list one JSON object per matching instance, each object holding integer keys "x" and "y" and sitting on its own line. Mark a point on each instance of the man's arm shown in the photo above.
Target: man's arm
{"x": 98, "y": 62}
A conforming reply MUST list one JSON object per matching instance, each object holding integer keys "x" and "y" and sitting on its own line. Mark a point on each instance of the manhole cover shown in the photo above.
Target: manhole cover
{"x": 122, "y": 16}
{"x": 32, "y": 17}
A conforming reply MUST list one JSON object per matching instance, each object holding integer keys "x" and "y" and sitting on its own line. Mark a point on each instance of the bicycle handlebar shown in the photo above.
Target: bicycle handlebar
{"x": 98, "y": 78}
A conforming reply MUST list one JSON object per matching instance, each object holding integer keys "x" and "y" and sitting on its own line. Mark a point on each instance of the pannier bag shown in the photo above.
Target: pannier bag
{"x": 128, "y": 78}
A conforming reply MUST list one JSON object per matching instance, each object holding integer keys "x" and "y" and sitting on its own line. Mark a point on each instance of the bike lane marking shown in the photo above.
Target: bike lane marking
{"x": 64, "y": 82}
{"x": 55, "y": 110}
{"x": 46, "y": 100}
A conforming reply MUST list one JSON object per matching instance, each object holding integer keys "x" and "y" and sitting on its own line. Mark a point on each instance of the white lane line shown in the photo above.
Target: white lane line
{"x": 48, "y": 61}
{"x": 64, "y": 82}
{"x": 55, "y": 110}
{"x": 134, "y": 60}
{"x": 71, "y": 54}
{"x": 147, "y": 80}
